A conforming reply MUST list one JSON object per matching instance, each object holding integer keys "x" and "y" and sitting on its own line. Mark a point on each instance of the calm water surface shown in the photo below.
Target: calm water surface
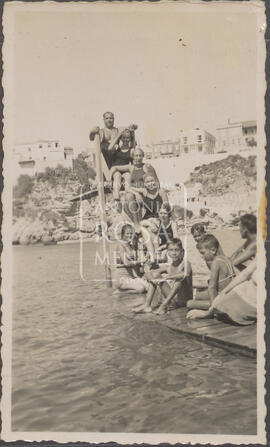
{"x": 80, "y": 366}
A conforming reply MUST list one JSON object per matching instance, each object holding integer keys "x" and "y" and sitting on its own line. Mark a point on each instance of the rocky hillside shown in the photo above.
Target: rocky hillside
{"x": 232, "y": 174}
{"x": 43, "y": 212}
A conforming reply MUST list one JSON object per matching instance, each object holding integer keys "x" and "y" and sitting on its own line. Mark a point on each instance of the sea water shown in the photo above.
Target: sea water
{"x": 78, "y": 365}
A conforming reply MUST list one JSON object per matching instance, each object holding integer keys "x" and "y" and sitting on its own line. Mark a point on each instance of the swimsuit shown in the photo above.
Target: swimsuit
{"x": 152, "y": 206}
{"x": 136, "y": 178}
{"x": 165, "y": 233}
{"x": 121, "y": 158}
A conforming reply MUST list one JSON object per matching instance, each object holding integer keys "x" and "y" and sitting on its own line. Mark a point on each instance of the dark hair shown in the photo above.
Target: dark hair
{"x": 175, "y": 241}
{"x": 249, "y": 221}
{"x": 208, "y": 241}
{"x": 126, "y": 227}
{"x": 125, "y": 132}
{"x": 106, "y": 113}
{"x": 167, "y": 207}
{"x": 198, "y": 227}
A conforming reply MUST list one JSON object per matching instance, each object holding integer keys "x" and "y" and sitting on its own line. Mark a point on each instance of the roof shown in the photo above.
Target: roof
{"x": 249, "y": 123}
{"x": 240, "y": 124}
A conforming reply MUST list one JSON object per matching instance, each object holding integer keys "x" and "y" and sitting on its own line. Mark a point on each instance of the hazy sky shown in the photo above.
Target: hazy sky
{"x": 70, "y": 67}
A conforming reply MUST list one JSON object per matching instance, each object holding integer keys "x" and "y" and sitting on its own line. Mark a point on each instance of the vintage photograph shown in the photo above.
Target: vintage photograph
{"x": 133, "y": 231}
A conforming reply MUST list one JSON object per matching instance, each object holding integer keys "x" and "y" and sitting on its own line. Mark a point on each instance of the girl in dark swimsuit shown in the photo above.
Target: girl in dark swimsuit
{"x": 121, "y": 163}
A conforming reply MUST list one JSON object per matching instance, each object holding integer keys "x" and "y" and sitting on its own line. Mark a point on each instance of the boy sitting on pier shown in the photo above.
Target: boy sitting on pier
{"x": 173, "y": 279}
{"x": 221, "y": 272}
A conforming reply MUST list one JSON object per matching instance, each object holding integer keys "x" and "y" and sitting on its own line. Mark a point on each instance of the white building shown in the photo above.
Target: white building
{"x": 196, "y": 141}
{"x": 235, "y": 137}
{"x": 32, "y": 158}
{"x": 165, "y": 149}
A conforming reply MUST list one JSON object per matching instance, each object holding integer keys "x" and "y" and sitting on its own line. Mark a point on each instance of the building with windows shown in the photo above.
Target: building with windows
{"x": 196, "y": 141}
{"x": 165, "y": 149}
{"x": 235, "y": 137}
{"x": 32, "y": 158}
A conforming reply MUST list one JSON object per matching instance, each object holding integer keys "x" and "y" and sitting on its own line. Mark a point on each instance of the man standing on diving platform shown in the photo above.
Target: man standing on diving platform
{"x": 109, "y": 140}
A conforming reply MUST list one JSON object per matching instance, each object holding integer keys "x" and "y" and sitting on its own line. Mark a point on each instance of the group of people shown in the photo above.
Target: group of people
{"x": 151, "y": 257}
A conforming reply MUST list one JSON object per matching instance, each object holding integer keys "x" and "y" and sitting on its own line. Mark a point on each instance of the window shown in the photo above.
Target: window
{"x": 49, "y": 145}
{"x": 40, "y": 146}
{"x": 186, "y": 149}
{"x": 185, "y": 140}
{"x": 200, "y": 148}
{"x": 56, "y": 144}
{"x": 199, "y": 138}
{"x": 29, "y": 149}
{"x": 44, "y": 158}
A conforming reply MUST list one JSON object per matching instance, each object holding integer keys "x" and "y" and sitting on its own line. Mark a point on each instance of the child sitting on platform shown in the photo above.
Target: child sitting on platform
{"x": 173, "y": 279}
{"x": 221, "y": 272}
{"x": 128, "y": 266}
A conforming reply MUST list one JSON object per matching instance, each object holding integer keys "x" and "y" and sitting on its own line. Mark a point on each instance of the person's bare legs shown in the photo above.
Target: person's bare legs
{"x": 126, "y": 176}
{"x": 132, "y": 208}
{"x": 146, "y": 307}
{"x": 201, "y": 301}
{"x": 168, "y": 293}
{"x": 148, "y": 243}
{"x": 117, "y": 177}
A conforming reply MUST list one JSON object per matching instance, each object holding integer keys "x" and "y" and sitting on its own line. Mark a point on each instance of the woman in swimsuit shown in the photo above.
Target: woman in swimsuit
{"x": 248, "y": 230}
{"x": 133, "y": 204}
{"x": 128, "y": 266}
{"x": 121, "y": 163}
{"x": 237, "y": 303}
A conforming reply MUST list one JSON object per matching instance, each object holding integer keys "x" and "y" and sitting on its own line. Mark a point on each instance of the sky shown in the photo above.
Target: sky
{"x": 71, "y": 65}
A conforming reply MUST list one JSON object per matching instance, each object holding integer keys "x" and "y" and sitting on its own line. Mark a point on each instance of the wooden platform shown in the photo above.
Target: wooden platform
{"x": 239, "y": 339}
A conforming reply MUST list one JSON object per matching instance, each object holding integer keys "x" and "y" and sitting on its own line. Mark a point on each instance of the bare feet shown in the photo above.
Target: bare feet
{"x": 142, "y": 309}
{"x": 196, "y": 313}
{"x": 161, "y": 310}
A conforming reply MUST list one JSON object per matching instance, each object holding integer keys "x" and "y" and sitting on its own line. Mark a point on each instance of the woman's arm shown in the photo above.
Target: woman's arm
{"x": 245, "y": 275}
{"x": 164, "y": 195}
{"x": 123, "y": 257}
{"x": 243, "y": 256}
{"x": 148, "y": 169}
{"x": 174, "y": 229}
{"x": 115, "y": 140}
{"x": 122, "y": 168}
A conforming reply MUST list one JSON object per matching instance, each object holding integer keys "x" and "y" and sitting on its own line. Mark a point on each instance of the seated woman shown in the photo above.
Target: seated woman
{"x": 248, "y": 230}
{"x": 128, "y": 274}
{"x": 136, "y": 187}
{"x": 236, "y": 303}
{"x": 121, "y": 161}
{"x": 152, "y": 200}
{"x": 161, "y": 230}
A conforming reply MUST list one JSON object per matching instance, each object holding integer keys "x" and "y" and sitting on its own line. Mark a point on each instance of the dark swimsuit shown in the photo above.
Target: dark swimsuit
{"x": 152, "y": 206}
{"x": 165, "y": 234}
{"x": 121, "y": 158}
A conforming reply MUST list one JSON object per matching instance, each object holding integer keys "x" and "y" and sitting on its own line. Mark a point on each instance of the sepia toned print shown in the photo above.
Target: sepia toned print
{"x": 133, "y": 262}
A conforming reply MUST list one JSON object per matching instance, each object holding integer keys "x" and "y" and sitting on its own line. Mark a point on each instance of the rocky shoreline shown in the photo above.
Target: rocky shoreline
{"x": 46, "y": 214}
